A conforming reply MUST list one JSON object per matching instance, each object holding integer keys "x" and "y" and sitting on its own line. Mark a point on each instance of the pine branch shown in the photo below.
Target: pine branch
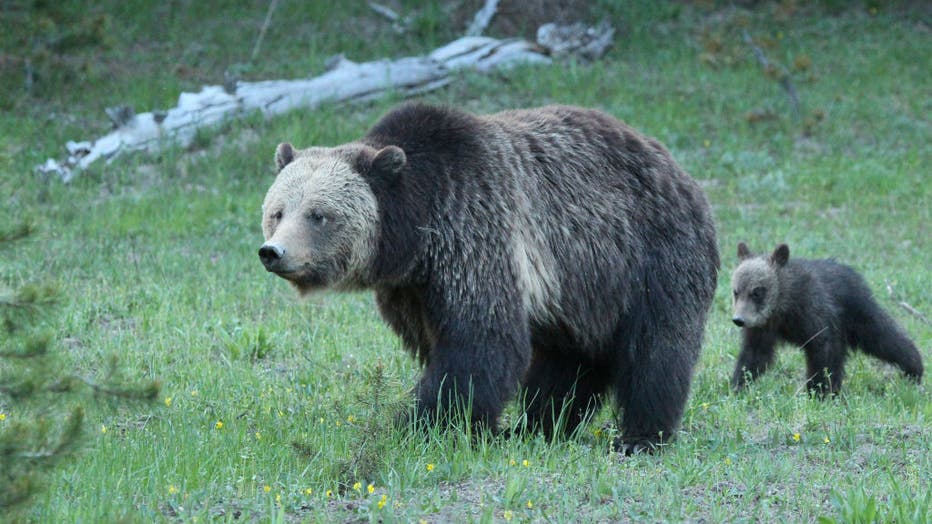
{"x": 147, "y": 391}
{"x": 66, "y": 442}
{"x": 33, "y": 347}
{"x": 17, "y": 232}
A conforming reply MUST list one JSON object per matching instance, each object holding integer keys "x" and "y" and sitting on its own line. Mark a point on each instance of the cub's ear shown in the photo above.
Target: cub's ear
{"x": 284, "y": 154}
{"x": 389, "y": 159}
{"x": 780, "y": 255}
{"x": 743, "y": 251}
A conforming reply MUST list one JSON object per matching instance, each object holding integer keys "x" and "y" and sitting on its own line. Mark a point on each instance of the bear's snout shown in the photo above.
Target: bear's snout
{"x": 738, "y": 321}
{"x": 271, "y": 255}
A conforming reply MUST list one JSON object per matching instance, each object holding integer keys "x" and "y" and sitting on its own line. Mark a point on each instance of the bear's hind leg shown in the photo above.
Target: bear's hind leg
{"x": 877, "y": 334}
{"x": 561, "y": 391}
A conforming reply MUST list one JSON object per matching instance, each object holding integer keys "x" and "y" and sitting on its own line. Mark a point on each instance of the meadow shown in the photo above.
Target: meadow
{"x": 278, "y": 409}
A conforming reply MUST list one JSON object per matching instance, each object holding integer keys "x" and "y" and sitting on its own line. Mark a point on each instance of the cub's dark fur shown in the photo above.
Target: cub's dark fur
{"x": 554, "y": 249}
{"x": 819, "y": 305}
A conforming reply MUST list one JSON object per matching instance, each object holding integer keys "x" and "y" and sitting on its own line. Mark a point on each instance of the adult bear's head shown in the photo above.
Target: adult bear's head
{"x": 320, "y": 218}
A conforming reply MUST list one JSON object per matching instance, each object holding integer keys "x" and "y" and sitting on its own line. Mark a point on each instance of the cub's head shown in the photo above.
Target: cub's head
{"x": 755, "y": 285}
{"x": 320, "y": 218}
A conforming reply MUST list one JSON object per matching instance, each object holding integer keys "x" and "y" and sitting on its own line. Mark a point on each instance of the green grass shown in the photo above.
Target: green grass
{"x": 156, "y": 258}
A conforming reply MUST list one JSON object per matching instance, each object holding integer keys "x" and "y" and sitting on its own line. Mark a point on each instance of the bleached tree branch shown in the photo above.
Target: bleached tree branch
{"x": 344, "y": 81}
{"x": 483, "y": 18}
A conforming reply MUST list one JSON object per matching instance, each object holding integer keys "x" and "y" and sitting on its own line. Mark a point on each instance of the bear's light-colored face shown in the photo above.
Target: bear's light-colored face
{"x": 320, "y": 220}
{"x": 755, "y": 286}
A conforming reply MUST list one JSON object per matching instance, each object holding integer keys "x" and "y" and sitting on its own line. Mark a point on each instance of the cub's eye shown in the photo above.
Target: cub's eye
{"x": 758, "y": 293}
{"x": 734, "y": 292}
{"x": 277, "y": 215}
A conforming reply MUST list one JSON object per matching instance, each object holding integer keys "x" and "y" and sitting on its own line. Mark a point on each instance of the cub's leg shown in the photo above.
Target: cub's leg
{"x": 758, "y": 350}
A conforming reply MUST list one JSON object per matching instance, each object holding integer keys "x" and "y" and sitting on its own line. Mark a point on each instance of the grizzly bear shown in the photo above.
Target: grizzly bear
{"x": 823, "y": 307}
{"x": 554, "y": 249}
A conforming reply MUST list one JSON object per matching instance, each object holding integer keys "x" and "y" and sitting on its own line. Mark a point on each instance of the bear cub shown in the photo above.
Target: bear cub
{"x": 822, "y": 306}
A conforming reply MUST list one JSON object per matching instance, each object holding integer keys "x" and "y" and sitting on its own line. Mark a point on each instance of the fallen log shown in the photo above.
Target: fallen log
{"x": 344, "y": 81}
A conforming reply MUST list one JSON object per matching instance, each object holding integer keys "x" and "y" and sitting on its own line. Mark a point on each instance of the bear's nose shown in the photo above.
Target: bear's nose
{"x": 270, "y": 255}
{"x": 738, "y": 321}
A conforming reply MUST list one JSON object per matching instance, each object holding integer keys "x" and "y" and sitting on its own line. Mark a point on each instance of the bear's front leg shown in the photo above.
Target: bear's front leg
{"x": 480, "y": 353}
{"x": 758, "y": 350}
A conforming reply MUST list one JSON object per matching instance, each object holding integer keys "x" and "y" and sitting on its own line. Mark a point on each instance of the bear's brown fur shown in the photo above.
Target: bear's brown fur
{"x": 555, "y": 249}
{"x": 821, "y": 306}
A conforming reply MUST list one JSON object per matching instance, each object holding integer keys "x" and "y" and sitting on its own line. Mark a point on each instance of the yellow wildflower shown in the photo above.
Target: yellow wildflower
{"x": 370, "y": 488}
{"x": 383, "y": 501}
{"x": 266, "y": 488}
{"x": 728, "y": 461}
{"x": 219, "y": 424}
{"x": 350, "y": 419}
{"x": 329, "y": 493}
{"x": 430, "y": 467}
{"x": 826, "y": 439}
{"x": 512, "y": 462}
{"x": 258, "y": 436}
{"x": 705, "y": 406}
{"x": 795, "y": 437}
{"x": 194, "y": 393}
{"x": 308, "y": 491}
{"x": 530, "y": 505}
{"x": 172, "y": 489}
{"x": 103, "y": 428}
{"x": 2, "y": 417}
{"x": 168, "y": 402}
{"x": 525, "y": 463}
{"x": 357, "y": 486}
{"x": 278, "y": 497}
{"x": 508, "y": 514}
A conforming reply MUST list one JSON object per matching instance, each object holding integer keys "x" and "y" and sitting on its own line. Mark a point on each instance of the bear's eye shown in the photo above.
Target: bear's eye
{"x": 317, "y": 217}
{"x": 277, "y": 215}
{"x": 758, "y": 294}
{"x": 734, "y": 293}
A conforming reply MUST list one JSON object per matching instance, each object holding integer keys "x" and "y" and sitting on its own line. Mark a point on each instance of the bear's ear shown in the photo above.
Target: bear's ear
{"x": 389, "y": 159}
{"x": 743, "y": 251}
{"x": 780, "y": 255}
{"x": 284, "y": 154}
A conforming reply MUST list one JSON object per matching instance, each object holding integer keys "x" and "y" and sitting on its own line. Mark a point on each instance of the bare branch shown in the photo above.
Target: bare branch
{"x": 347, "y": 81}
{"x": 782, "y": 75}
{"x": 905, "y": 305}
{"x": 399, "y": 23}
{"x": 483, "y": 18}
{"x": 915, "y": 312}
{"x": 343, "y": 81}
{"x": 265, "y": 25}
{"x": 385, "y": 11}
